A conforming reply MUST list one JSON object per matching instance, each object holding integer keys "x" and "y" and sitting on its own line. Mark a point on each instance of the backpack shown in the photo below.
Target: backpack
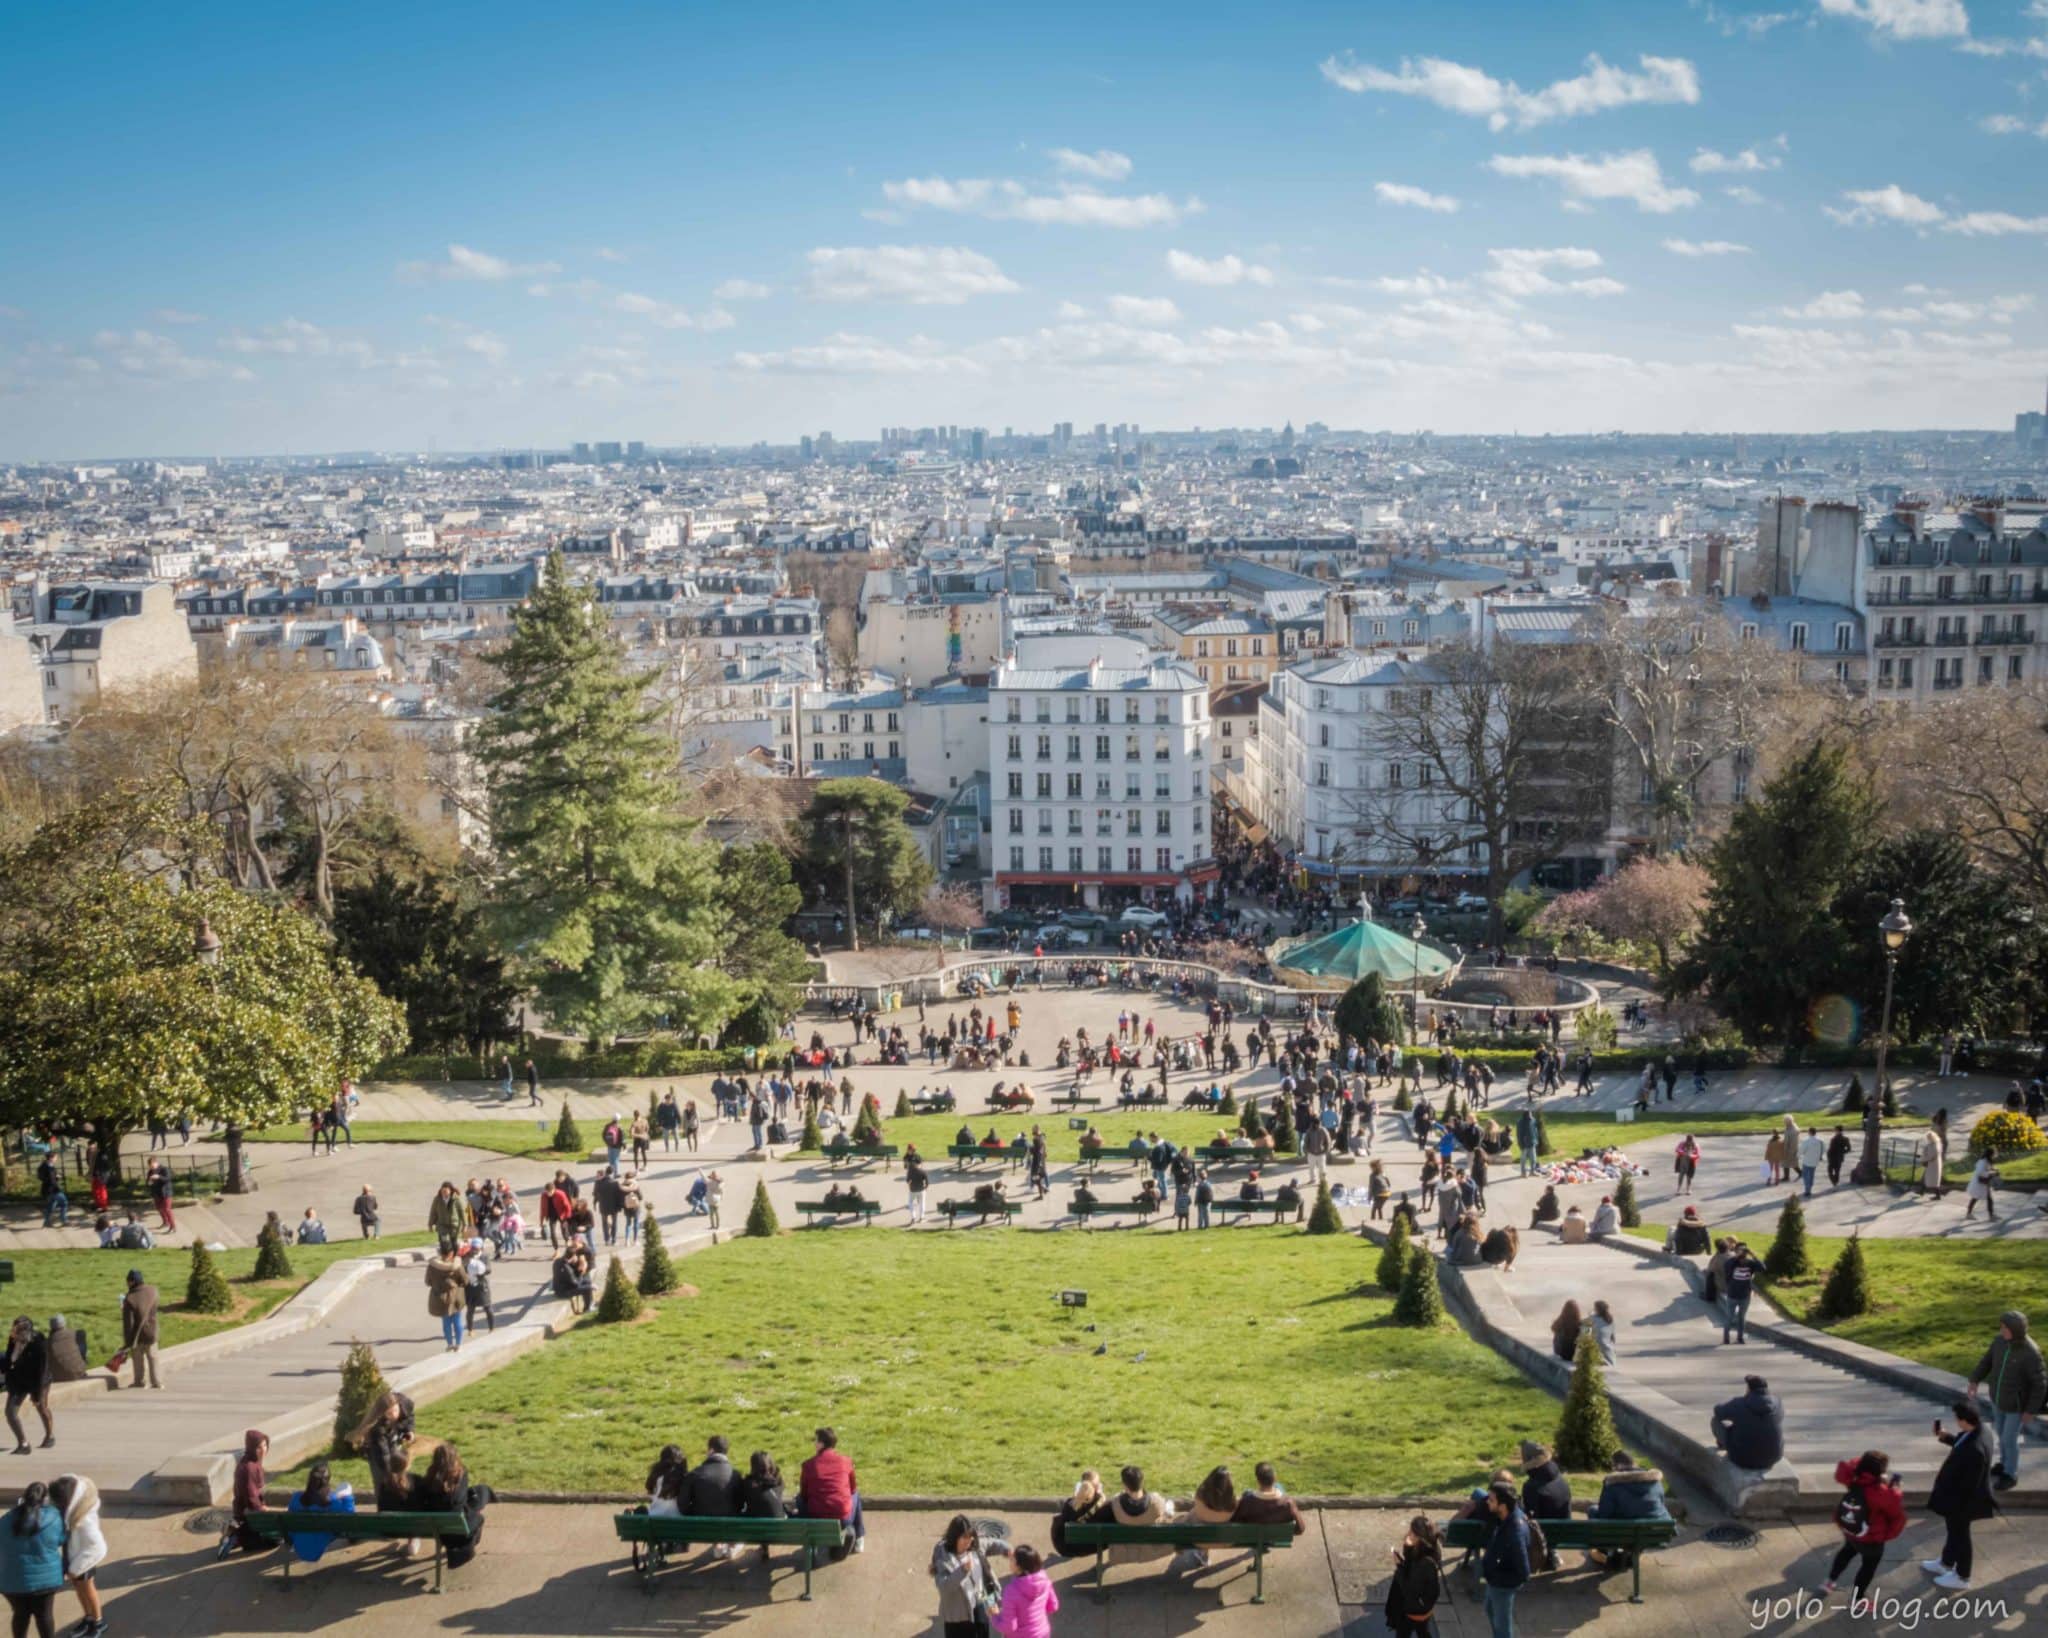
{"x": 1852, "y": 1512}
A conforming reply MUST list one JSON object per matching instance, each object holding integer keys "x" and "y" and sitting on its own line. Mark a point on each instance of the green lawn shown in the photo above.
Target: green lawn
{"x": 519, "y": 1138}
{"x": 86, "y": 1287}
{"x": 947, "y": 1367}
{"x": 932, "y": 1133}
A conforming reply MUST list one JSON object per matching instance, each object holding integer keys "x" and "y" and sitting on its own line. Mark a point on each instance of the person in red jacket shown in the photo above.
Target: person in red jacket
{"x": 830, "y": 1491}
{"x": 1870, "y": 1513}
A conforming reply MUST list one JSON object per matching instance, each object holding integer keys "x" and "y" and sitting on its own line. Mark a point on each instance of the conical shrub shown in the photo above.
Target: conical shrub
{"x": 1394, "y": 1254}
{"x": 1402, "y": 1101}
{"x": 1229, "y": 1104}
{"x": 206, "y": 1290}
{"x": 618, "y": 1301}
{"x": 812, "y": 1138}
{"x": 1852, "y": 1100}
{"x": 361, "y": 1382}
{"x": 867, "y": 1125}
{"x": 1249, "y": 1122}
{"x": 568, "y": 1137}
{"x": 1586, "y": 1439}
{"x": 1625, "y": 1202}
{"x": 1323, "y": 1216}
{"x": 1888, "y": 1104}
{"x": 1789, "y": 1258}
{"x": 273, "y": 1262}
{"x": 1283, "y": 1126}
{"x": 1847, "y": 1292}
{"x": 903, "y": 1109}
{"x": 657, "y": 1268}
{"x": 761, "y": 1220}
{"x": 1420, "y": 1304}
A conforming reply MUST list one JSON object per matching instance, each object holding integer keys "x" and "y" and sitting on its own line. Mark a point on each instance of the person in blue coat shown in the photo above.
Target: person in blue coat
{"x": 32, "y": 1559}
{"x": 321, "y": 1495}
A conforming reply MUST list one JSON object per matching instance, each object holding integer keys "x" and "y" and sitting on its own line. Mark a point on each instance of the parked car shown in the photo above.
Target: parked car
{"x": 1470, "y": 904}
{"x": 1014, "y": 918}
{"x": 1141, "y": 915}
{"x": 1055, "y": 937}
{"x": 989, "y": 938}
{"x": 1400, "y": 907}
{"x": 1087, "y": 920}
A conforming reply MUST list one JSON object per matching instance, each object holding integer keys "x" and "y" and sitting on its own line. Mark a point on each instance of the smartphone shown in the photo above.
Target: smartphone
{"x": 1937, "y": 1427}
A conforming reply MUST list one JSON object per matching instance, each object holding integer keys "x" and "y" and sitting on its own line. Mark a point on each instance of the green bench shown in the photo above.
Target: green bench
{"x": 276, "y": 1523}
{"x": 952, "y": 1209}
{"x": 1074, "y": 1100}
{"x": 1085, "y": 1209}
{"x": 1278, "y": 1210}
{"x": 977, "y": 1152}
{"x": 1259, "y": 1538}
{"x": 821, "y": 1212}
{"x": 1092, "y": 1158}
{"x": 1216, "y": 1159}
{"x": 840, "y": 1153}
{"x": 1636, "y": 1535}
{"x": 658, "y": 1535}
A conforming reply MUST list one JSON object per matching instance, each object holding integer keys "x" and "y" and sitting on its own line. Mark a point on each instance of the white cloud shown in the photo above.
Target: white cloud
{"x": 1829, "y": 304}
{"x": 177, "y": 315}
{"x": 1072, "y": 310}
{"x": 1529, "y": 272}
{"x": 1460, "y": 89}
{"x": 923, "y": 275}
{"x": 1223, "y": 270}
{"x": 667, "y": 315}
{"x": 1742, "y": 194}
{"x": 1401, "y": 193}
{"x": 848, "y": 354}
{"x": 1073, "y": 205}
{"x": 296, "y": 338}
{"x": 487, "y": 346}
{"x": 1755, "y": 24}
{"x": 1706, "y": 162}
{"x": 1634, "y": 176}
{"x": 741, "y": 290}
{"x": 1906, "y": 19}
{"x": 1995, "y": 224}
{"x": 463, "y": 263}
{"x": 2012, "y": 125}
{"x": 1426, "y": 283}
{"x": 143, "y": 355}
{"x": 1103, "y": 165}
{"x": 605, "y": 253}
{"x": 1705, "y": 247}
{"x": 1148, "y": 310}
{"x": 1890, "y": 203}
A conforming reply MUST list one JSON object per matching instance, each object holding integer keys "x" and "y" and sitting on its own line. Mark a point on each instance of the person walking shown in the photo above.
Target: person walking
{"x": 1961, "y": 1496}
{"x": 476, "y": 1291}
{"x": 2012, "y": 1370}
{"x": 1315, "y": 1150}
{"x": 50, "y": 1185}
{"x": 1838, "y": 1151}
{"x": 1029, "y": 1599}
{"x": 642, "y": 1135}
{"x": 445, "y": 1285}
{"x": 1811, "y": 1152}
{"x": 1871, "y": 1512}
{"x": 85, "y": 1549}
{"x": 139, "y": 1327}
{"x": 614, "y": 1139}
{"x": 1983, "y": 1180}
{"x": 1418, "y": 1581}
{"x": 367, "y": 1215}
{"x": 28, "y": 1382}
{"x": 1504, "y": 1562}
{"x": 532, "y": 1085}
{"x": 1685, "y": 1163}
{"x": 447, "y": 1216}
{"x": 960, "y": 1570}
{"x": 690, "y": 1125}
{"x": 32, "y": 1560}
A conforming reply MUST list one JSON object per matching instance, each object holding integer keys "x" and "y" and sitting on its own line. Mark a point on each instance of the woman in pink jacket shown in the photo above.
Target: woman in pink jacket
{"x": 1029, "y": 1601}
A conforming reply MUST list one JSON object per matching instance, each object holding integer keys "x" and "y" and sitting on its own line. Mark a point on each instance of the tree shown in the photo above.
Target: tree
{"x": 1679, "y": 694}
{"x": 362, "y": 1385}
{"x": 1847, "y": 1292}
{"x": 428, "y": 952}
{"x": 753, "y": 898}
{"x": 761, "y": 1222}
{"x": 951, "y": 910}
{"x": 658, "y": 1275}
{"x": 811, "y": 1137}
{"x": 273, "y": 1262}
{"x": 858, "y": 853}
{"x": 619, "y": 1301}
{"x": 1393, "y": 1262}
{"x": 1653, "y": 903}
{"x": 1229, "y": 1104}
{"x": 1500, "y": 762}
{"x": 1250, "y": 1123}
{"x": 568, "y": 1135}
{"x": 1283, "y": 1126}
{"x": 206, "y": 1288}
{"x": 1789, "y": 1257}
{"x": 1364, "y": 1012}
{"x": 1852, "y": 1100}
{"x": 1403, "y": 1101}
{"x": 1625, "y": 1202}
{"x": 1323, "y": 1216}
{"x": 903, "y": 1110}
{"x": 109, "y": 1012}
{"x": 1420, "y": 1304}
{"x": 1770, "y": 940}
{"x": 601, "y": 893}
{"x": 1586, "y": 1439}
{"x": 867, "y": 1125}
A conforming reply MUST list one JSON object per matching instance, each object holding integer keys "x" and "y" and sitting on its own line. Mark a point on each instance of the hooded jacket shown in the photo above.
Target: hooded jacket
{"x": 1884, "y": 1509}
{"x": 249, "y": 1475}
{"x": 32, "y": 1562}
{"x": 1149, "y": 1508}
{"x": 2012, "y": 1372}
{"x": 1631, "y": 1493}
{"x": 85, "y": 1546}
{"x": 445, "y": 1280}
{"x": 1962, "y": 1489}
{"x": 1751, "y": 1430}
{"x": 1546, "y": 1493}
{"x": 711, "y": 1489}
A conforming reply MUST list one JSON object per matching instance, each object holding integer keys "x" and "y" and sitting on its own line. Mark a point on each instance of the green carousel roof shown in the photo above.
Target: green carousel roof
{"x": 1351, "y": 952}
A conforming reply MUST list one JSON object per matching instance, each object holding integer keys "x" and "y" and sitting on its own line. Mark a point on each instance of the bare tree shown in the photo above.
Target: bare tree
{"x": 951, "y": 908}
{"x": 842, "y": 646}
{"x": 1488, "y": 750}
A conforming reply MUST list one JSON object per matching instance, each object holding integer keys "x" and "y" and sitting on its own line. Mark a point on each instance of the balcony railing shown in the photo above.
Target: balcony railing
{"x": 1901, "y": 639}
{"x": 2015, "y": 634}
{"x": 2001, "y": 594}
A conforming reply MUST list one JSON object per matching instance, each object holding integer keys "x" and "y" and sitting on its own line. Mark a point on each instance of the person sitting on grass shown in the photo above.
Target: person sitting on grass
{"x": 1268, "y": 1504}
{"x": 1628, "y": 1490}
{"x": 829, "y": 1489}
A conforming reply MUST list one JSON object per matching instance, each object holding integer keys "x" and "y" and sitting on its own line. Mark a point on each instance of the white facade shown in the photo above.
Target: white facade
{"x": 1099, "y": 784}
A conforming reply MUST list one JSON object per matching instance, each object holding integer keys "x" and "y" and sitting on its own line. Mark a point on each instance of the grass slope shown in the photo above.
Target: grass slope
{"x": 947, "y": 1368}
{"x": 86, "y": 1287}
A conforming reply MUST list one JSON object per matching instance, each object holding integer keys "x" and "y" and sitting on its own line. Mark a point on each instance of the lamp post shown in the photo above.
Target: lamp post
{"x": 1415, "y": 933}
{"x": 1895, "y": 929}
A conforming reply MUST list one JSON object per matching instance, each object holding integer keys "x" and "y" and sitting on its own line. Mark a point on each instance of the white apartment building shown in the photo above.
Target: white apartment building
{"x": 1099, "y": 785}
{"x": 96, "y": 635}
{"x": 1318, "y": 777}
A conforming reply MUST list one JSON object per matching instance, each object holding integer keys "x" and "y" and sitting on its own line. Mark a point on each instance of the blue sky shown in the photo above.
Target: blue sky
{"x": 467, "y": 226}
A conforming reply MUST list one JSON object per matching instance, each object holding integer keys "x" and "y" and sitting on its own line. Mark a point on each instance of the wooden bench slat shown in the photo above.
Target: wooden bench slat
{"x": 276, "y": 1522}
{"x": 702, "y": 1529}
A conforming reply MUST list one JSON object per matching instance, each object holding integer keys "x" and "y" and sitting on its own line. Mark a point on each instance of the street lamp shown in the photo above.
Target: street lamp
{"x": 1895, "y": 929}
{"x": 1415, "y": 932}
{"x": 206, "y": 944}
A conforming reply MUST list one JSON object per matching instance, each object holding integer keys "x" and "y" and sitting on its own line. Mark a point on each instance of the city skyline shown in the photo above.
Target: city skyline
{"x": 700, "y": 229}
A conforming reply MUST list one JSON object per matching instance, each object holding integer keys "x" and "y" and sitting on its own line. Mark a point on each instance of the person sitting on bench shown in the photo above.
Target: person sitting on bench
{"x": 1288, "y": 1197}
{"x": 989, "y": 1199}
{"x": 1251, "y": 1189}
{"x": 1148, "y": 1195}
{"x": 1628, "y": 1491}
{"x": 1137, "y": 1505}
{"x": 1085, "y": 1196}
{"x": 964, "y": 1138}
{"x": 844, "y": 1199}
{"x": 1091, "y": 1144}
{"x": 992, "y": 1141}
{"x": 1268, "y": 1504}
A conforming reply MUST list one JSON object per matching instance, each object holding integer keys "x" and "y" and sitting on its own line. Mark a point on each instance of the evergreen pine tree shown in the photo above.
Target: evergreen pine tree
{"x": 867, "y": 1125}
{"x": 1420, "y": 1304}
{"x": 653, "y": 1112}
{"x": 1586, "y": 1439}
{"x": 361, "y": 1383}
{"x": 206, "y": 1290}
{"x": 272, "y": 1261}
{"x": 1229, "y": 1104}
{"x": 1402, "y": 1101}
{"x": 1283, "y": 1126}
{"x": 1789, "y": 1257}
{"x": 568, "y": 1136}
{"x": 903, "y": 1109}
{"x": 761, "y": 1222}
{"x": 618, "y": 1301}
{"x": 1394, "y": 1254}
{"x": 1889, "y": 1104}
{"x": 601, "y": 888}
{"x": 1852, "y": 1100}
{"x": 1847, "y": 1292}
{"x": 1249, "y": 1122}
{"x": 1542, "y": 1136}
{"x": 1625, "y": 1203}
{"x": 1323, "y": 1216}
{"x": 811, "y": 1138}
{"x": 657, "y": 1268}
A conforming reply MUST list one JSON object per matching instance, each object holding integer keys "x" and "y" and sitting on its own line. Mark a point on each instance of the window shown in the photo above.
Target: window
{"x": 1323, "y": 734}
{"x": 1162, "y": 711}
{"x": 1073, "y": 709}
{"x": 867, "y": 750}
{"x": 1073, "y": 747}
{"x": 1322, "y": 773}
{"x": 1102, "y": 710}
{"x": 1045, "y": 858}
{"x": 1130, "y": 711}
{"x": 1016, "y": 786}
{"x": 1102, "y": 747}
{"x": 1130, "y": 747}
{"x": 1045, "y": 821}
{"x": 1102, "y": 859}
{"x": 1162, "y": 748}
{"x": 1201, "y": 648}
{"x": 1887, "y": 674}
{"x": 1322, "y": 699}
{"x": 1073, "y": 787}
{"x": 1134, "y": 821}
{"x": 1906, "y": 673}
{"x": 1796, "y": 637}
{"x": 1984, "y": 669}
{"x": 1130, "y": 787}
{"x": 1041, "y": 709}
{"x": 1102, "y": 787}
{"x": 1045, "y": 787}
{"x": 1016, "y": 821}
{"x": 1258, "y": 647}
{"x": 1044, "y": 747}
{"x": 1749, "y": 631}
{"x": 1845, "y": 633}
{"x": 1076, "y": 857}
{"x": 1015, "y": 748}
{"x": 1842, "y": 672}
{"x": 1016, "y": 858}
{"x": 1102, "y": 822}
{"x": 1073, "y": 821}
{"x": 1164, "y": 856}
{"x": 1230, "y": 648}
{"x": 894, "y": 724}
{"x": 1393, "y": 776}
{"x": 1162, "y": 787}
{"x": 2015, "y": 667}
{"x": 1134, "y": 858}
